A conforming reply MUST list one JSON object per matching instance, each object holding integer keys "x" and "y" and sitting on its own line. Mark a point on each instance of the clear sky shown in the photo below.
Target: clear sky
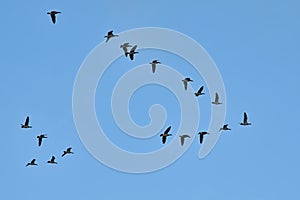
{"x": 255, "y": 45}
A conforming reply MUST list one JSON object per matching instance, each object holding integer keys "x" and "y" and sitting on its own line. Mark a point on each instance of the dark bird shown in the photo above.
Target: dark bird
{"x": 68, "y": 151}
{"x": 245, "y": 121}
{"x": 52, "y": 160}
{"x": 31, "y": 162}
{"x": 153, "y": 64}
{"x": 132, "y": 52}
{"x": 124, "y": 47}
{"x": 53, "y": 15}
{"x": 200, "y": 91}
{"x": 201, "y": 134}
{"x": 26, "y": 124}
{"x": 110, "y": 35}
{"x": 40, "y": 138}
{"x": 185, "y": 82}
{"x": 216, "y": 102}
{"x": 165, "y": 134}
{"x": 182, "y": 138}
{"x": 225, "y": 128}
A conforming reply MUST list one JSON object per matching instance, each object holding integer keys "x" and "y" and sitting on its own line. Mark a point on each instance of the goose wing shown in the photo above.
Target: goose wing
{"x": 26, "y": 121}
{"x": 52, "y": 159}
{"x": 217, "y": 97}
{"x": 40, "y": 140}
{"x": 245, "y": 118}
{"x": 185, "y": 84}
{"x": 153, "y": 67}
{"x": 182, "y": 140}
{"x": 201, "y": 89}
{"x": 53, "y": 17}
{"x": 167, "y": 130}
{"x": 201, "y": 138}
{"x": 133, "y": 49}
{"x": 32, "y": 162}
{"x": 164, "y": 139}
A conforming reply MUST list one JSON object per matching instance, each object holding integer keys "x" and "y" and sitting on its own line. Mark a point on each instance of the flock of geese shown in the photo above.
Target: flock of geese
{"x": 185, "y": 81}
{"x": 40, "y": 139}
{"x": 131, "y": 53}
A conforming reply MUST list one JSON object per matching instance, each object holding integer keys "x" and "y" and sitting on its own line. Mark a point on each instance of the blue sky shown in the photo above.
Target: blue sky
{"x": 255, "y": 45}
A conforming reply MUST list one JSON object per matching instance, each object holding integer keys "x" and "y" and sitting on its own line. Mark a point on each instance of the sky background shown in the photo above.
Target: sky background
{"x": 255, "y": 45}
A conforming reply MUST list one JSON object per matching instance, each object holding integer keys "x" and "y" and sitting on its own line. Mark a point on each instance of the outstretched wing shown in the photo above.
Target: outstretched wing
{"x": 53, "y": 17}
{"x": 27, "y": 121}
{"x": 217, "y": 97}
{"x": 201, "y": 89}
{"x": 125, "y": 50}
{"x": 32, "y": 162}
{"x": 164, "y": 138}
{"x": 185, "y": 84}
{"x": 201, "y": 138}
{"x": 52, "y": 159}
{"x": 133, "y": 49}
{"x": 40, "y": 140}
{"x": 167, "y": 130}
{"x": 69, "y": 149}
{"x": 245, "y": 118}
{"x": 131, "y": 56}
{"x": 182, "y": 140}
{"x": 153, "y": 67}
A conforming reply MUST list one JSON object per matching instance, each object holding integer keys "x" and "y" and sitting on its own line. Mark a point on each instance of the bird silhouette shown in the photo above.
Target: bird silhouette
{"x": 165, "y": 135}
{"x": 225, "y": 128}
{"x": 132, "y": 52}
{"x": 40, "y": 138}
{"x": 182, "y": 139}
{"x": 153, "y": 64}
{"x": 216, "y": 102}
{"x": 110, "y": 35}
{"x": 185, "y": 82}
{"x": 201, "y": 134}
{"x": 32, "y": 162}
{"x": 68, "y": 151}
{"x": 245, "y": 121}
{"x": 124, "y": 47}
{"x": 26, "y": 124}
{"x": 53, "y": 15}
{"x": 52, "y": 160}
{"x": 199, "y": 92}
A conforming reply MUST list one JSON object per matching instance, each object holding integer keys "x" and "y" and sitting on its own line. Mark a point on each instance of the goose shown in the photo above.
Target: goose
{"x": 165, "y": 135}
{"x": 199, "y": 92}
{"x": 68, "y": 151}
{"x": 52, "y": 160}
{"x": 132, "y": 52}
{"x": 26, "y": 124}
{"x": 185, "y": 82}
{"x": 245, "y": 121}
{"x": 110, "y": 35}
{"x": 53, "y": 15}
{"x": 201, "y": 134}
{"x": 31, "y": 163}
{"x": 216, "y": 102}
{"x": 40, "y": 138}
{"x": 153, "y": 64}
{"x": 225, "y": 128}
{"x": 182, "y": 138}
{"x": 125, "y": 46}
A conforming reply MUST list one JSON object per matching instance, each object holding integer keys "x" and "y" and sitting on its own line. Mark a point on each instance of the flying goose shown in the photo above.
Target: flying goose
{"x": 216, "y": 102}
{"x": 31, "y": 163}
{"x": 26, "y": 124}
{"x": 182, "y": 138}
{"x": 200, "y": 91}
{"x": 132, "y": 52}
{"x": 124, "y": 47}
{"x": 153, "y": 64}
{"x": 52, "y": 160}
{"x": 165, "y": 134}
{"x": 53, "y": 15}
{"x": 245, "y": 121}
{"x": 201, "y": 134}
{"x": 68, "y": 151}
{"x": 110, "y": 35}
{"x": 225, "y": 128}
{"x": 185, "y": 82}
{"x": 40, "y": 138}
